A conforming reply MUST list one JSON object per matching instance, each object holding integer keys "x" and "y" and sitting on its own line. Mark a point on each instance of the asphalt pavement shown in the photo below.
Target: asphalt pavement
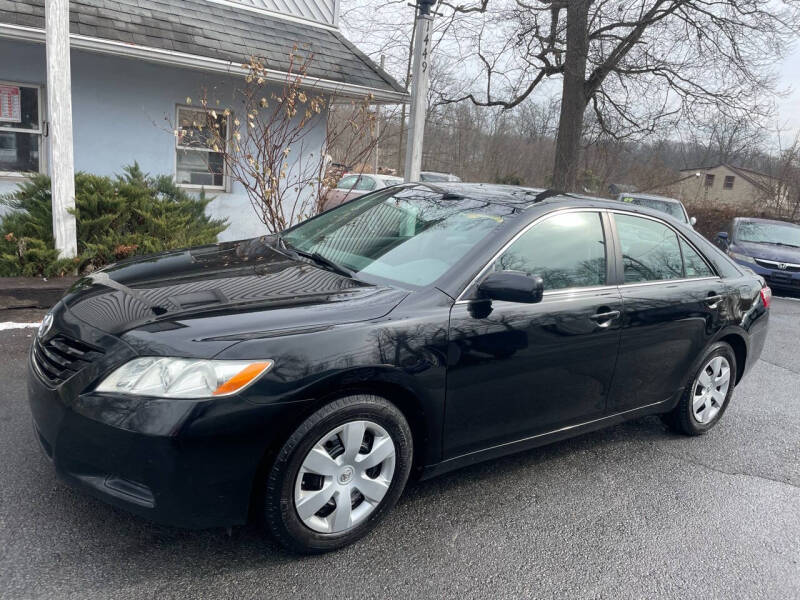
{"x": 630, "y": 512}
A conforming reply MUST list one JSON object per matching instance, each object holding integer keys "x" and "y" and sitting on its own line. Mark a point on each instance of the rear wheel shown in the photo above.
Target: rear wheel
{"x": 708, "y": 393}
{"x": 338, "y": 474}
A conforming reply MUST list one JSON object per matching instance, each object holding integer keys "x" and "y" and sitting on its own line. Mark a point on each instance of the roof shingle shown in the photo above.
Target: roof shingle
{"x": 214, "y": 31}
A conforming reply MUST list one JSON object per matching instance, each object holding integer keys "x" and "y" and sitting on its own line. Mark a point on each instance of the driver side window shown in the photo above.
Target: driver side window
{"x": 566, "y": 251}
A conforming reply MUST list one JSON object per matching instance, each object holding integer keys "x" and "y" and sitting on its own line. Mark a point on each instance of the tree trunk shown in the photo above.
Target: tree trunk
{"x": 573, "y": 97}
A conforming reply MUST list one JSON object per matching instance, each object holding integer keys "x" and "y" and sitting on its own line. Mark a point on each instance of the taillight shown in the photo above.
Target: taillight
{"x": 766, "y": 296}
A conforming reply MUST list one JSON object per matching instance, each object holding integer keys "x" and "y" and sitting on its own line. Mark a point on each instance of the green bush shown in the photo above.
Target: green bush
{"x": 116, "y": 217}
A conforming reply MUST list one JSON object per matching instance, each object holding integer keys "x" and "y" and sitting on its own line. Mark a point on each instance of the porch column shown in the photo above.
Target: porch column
{"x": 59, "y": 109}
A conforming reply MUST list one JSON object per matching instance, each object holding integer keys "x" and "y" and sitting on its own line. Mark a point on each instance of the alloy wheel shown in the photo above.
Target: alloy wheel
{"x": 344, "y": 477}
{"x": 710, "y": 389}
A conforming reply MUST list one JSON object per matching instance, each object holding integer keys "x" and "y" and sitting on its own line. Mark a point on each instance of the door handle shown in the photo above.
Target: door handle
{"x": 713, "y": 300}
{"x": 604, "y": 319}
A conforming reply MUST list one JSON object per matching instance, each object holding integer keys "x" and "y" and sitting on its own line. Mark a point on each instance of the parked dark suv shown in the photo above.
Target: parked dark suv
{"x": 770, "y": 248}
{"x": 303, "y": 377}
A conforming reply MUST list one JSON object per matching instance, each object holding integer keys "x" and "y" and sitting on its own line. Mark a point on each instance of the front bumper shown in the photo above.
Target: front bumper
{"x": 183, "y": 463}
{"x": 775, "y": 278}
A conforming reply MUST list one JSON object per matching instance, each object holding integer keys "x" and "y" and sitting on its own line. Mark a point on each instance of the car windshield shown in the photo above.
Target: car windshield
{"x": 411, "y": 236}
{"x": 784, "y": 234}
{"x": 674, "y": 209}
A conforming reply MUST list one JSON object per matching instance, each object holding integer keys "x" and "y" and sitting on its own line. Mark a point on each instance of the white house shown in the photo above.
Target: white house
{"x": 134, "y": 64}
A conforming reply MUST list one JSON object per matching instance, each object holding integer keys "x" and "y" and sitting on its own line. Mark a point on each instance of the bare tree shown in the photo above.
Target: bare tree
{"x": 272, "y": 144}
{"x": 636, "y": 64}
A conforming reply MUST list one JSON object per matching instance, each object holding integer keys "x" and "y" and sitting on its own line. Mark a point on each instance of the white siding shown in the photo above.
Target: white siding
{"x": 322, "y": 11}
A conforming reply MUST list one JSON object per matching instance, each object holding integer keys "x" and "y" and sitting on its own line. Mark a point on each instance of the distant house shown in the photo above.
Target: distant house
{"x": 134, "y": 64}
{"x": 724, "y": 184}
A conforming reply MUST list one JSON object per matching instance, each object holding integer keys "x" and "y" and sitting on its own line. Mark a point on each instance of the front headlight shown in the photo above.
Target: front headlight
{"x": 183, "y": 377}
{"x": 741, "y": 257}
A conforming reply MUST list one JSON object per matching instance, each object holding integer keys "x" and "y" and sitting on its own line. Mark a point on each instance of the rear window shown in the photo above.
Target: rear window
{"x": 724, "y": 265}
{"x": 358, "y": 182}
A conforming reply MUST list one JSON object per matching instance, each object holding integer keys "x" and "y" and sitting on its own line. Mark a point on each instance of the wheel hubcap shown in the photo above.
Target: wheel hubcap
{"x": 344, "y": 477}
{"x": 711, "y": 389}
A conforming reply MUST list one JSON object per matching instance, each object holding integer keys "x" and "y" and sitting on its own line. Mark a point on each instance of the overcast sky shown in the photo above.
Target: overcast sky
{"x": 375, "y": 38}
{"x": 790, "y": 76}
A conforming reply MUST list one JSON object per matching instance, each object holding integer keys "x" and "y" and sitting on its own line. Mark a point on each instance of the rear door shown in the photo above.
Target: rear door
{"x": 673, "y": 303}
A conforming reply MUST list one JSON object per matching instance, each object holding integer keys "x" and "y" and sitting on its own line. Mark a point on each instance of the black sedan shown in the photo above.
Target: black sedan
{"x": 301, "y": 378}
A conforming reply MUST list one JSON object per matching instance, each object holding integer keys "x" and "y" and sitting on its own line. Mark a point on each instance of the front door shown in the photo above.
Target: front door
{"x": 517, "y": 370}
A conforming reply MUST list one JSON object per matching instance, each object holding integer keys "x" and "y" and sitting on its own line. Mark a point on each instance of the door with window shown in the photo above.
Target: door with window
{"x": 672, "y": 304}
{"x": 516, "y": 370}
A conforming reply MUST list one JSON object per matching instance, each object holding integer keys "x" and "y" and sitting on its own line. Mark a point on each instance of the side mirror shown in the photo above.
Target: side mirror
{"x": 692, "y": 221}
{"x": 512, "y": 286}
{"x": 722, "y": 239}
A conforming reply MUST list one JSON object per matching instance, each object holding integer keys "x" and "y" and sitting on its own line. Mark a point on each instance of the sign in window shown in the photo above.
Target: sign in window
{"x": 20, "y": 128}
{"x": 10, "y": 105}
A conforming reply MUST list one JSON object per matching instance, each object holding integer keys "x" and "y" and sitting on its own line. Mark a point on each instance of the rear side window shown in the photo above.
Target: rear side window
{"x": 650, "y": 250}
{"x": 693, "y": 263}
{"x": 348, "y": 182}
{"x": 566, "y": 251}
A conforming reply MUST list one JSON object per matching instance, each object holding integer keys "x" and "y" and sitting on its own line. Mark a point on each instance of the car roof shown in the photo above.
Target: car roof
{"x": 524, "y": 198}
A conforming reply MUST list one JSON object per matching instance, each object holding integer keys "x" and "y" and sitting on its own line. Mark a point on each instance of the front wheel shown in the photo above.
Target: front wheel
{"x": 338, "y": 474}
{"x": 708, "y": 393}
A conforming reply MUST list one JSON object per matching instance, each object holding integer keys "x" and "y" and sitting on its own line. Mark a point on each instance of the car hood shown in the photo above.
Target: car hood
{"x": 774, "y": 252}
{"x": 224, "y": 280}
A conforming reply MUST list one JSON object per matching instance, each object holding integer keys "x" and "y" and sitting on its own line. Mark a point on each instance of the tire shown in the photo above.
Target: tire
{"x": 300, "y": 480}
{"x": 696, "y": 412}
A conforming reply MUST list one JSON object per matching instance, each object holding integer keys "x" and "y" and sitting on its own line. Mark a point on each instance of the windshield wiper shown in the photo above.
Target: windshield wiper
{"x": 318, "y": 258}
{"x": 778, "y": 244}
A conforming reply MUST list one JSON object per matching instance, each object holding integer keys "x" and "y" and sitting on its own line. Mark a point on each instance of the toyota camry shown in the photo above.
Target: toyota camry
{"x": 301, "y": 378}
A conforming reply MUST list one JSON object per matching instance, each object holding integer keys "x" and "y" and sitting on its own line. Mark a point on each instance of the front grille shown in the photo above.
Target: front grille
{"x": 61, "y": 357}
{"x": 771, "y": 264}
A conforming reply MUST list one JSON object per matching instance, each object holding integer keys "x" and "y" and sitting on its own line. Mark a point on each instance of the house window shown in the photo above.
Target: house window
{"x": 20, "y": 128}
{"x": 728, "y": 184}
{"x": 197, "y": 164}
{"x": 709, "y": 181}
